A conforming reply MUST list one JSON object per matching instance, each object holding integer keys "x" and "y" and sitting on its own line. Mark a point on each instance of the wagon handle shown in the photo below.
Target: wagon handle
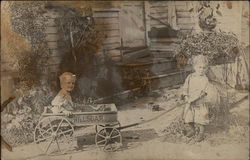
{"x": 154, "y": 118}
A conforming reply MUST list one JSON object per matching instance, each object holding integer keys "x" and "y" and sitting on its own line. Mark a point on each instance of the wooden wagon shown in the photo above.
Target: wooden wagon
{"x": 55, "y": 133}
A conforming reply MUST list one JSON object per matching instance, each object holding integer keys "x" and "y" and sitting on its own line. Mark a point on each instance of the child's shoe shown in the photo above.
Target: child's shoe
{"x": 190, "y": 133}
{"x": 200, "y": 137}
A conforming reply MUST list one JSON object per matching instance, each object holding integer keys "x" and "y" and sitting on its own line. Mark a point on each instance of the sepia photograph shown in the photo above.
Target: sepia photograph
{"x": 125, "y": 80}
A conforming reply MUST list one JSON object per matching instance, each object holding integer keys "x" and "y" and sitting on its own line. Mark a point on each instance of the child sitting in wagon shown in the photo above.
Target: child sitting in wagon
{"x": 199, "y": 94}
{"x": 62, "y": 103}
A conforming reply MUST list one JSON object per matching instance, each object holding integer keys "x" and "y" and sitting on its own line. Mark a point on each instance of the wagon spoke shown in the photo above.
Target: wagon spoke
{"x": 101, "y": 135}
{"x": 49, "y": 145}
{"x": 41, "y": 134}
{"x": 59, "y": 126}
{"x": 44, "y": 131}
{"x": 53, "y": 133}
{"x": 105, "y": 145}
{"x": 101, "y": 141}
{"x": 39, "y": 140}
{"x": 115, "y": 136}
{"x": 111, "y": 132}
{"x": 51, "y": 127}
{"x": 58, "y": 145}
{"x": 66, "y": 132}
{"x": 108, "y": 147}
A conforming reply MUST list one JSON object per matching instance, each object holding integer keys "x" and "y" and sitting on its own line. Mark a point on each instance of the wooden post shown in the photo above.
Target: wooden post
{"x": 147, "y": 21}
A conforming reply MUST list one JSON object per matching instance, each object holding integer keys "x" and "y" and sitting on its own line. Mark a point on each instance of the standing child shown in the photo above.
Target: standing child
{"x": 199, "y": 94}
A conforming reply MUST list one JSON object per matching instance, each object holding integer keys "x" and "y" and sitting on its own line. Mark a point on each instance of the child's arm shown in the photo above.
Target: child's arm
{"x": 195, "y": 97}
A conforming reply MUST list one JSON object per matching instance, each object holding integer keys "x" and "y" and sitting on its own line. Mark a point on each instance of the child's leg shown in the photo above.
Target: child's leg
{"x": 200, "y": 136}
{"x": 191, "y": 130}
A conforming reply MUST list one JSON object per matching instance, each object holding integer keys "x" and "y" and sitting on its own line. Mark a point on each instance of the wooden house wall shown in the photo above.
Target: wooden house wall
{"x": 164, "y": 47}
{"x": 108, "y": 24}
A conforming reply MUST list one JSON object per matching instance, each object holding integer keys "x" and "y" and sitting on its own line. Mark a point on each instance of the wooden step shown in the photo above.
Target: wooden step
{"x": 153, "y": 65}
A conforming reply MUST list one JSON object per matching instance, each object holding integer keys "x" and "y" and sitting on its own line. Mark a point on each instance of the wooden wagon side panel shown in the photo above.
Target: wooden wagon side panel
{"x": 93, "y": 119}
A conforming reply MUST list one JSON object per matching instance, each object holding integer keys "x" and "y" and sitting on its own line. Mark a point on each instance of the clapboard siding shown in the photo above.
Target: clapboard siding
{"x": 53, "y": 60}
{"x": 55, "y": 52}
{"x": 107, "y": 23}
{"x": 184, "y": 26}
{"x": 154, "y": 23}
{"x": 105, "y": 14}
{"x": 184, "y": 14}
{"x": 181, "y": 8}
{"x": 184, "y": 22}
{"x": 107, "y": 20}
{"x": 154, "y": 4}
{"x": 245, "y": 23}
{"x": 51, "y": 30}
{"x": 107, "y": 27}
{"x": 158, "y": 10}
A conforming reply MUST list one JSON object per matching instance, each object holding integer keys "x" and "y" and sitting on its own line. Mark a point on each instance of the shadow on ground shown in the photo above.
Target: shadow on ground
{"x": 130, "y": 139}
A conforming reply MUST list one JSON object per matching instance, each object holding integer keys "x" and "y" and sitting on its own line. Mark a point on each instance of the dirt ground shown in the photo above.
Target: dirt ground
{"x": 147, "y": 141}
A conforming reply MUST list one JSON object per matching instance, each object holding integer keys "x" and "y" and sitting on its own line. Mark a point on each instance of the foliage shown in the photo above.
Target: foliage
{"x": 214, "y": 45}
{"x": 20, "y": 117}
{"x": 29, "y": 19}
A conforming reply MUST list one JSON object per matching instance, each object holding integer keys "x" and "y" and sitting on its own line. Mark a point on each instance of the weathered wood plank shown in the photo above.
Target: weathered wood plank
{"x": 112, "y": 40}
{"x": 116, "y": 58}
{"x": 184, "y": 21}
{"x": 54, "y": 68}
{"x": 156, "y": 10}
{"x": 162, "y": 54}
{"x": 107, "y": 20}
{"x": 181, "y": 8}
{"x": 159, "y": 14}
{"x": 153, "y": 23}
{"x": 110, "y": 33}
{"x": 51, "y": 30}
{"x": 183, "y": 14}
{"x": 109, "y": 47}
{"x": 55, "y": 52}
{"x": 107, "y": 27}
{"x": 6, "y": 67}
{"x": 52, "y": 37}
{"x": 114, "y": 53}
{"x": 147, "y": 21}
{"x": 165, "y": 40}
{"x": 158, "y": 3}
{"x": 112, "y": 45}
{"x": 180, "y": 3}
{"x": 106, "y": 14}
{"x": 158, "y": 25}
{"x": 53, "y": 45}
{"x": 186, "y": 26}
{"x": 54, "y": 60}
{"x": 51, "y": 22}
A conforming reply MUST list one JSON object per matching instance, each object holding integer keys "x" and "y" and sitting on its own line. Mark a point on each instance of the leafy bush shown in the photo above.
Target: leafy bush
{"x": 215, "y": 45}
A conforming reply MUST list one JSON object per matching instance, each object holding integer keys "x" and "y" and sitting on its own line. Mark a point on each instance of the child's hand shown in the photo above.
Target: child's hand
{"x": 203, "y": 94}
{"x": 67, "y": 113}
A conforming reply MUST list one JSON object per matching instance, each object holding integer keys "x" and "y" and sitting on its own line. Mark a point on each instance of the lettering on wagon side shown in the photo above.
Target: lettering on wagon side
{"x": 88, "y": 118}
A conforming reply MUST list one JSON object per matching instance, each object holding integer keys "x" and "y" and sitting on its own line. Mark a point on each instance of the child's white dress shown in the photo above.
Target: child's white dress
{"x": 61, "y": 104}
{"x": 193, "y": 87}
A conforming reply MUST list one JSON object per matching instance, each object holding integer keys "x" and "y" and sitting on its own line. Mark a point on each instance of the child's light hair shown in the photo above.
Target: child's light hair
{"x": 200, "y": 59}
{"x": 65, "y": 74}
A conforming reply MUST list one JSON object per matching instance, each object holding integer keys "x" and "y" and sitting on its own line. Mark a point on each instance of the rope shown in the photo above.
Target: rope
{"x": 149, "y": 120}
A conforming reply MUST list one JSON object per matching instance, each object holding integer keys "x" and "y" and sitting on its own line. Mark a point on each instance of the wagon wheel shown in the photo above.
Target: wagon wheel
{"x": 108, "y": 139}
{"x": 100, "y": 126}
{"x": 54, "y": 135}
